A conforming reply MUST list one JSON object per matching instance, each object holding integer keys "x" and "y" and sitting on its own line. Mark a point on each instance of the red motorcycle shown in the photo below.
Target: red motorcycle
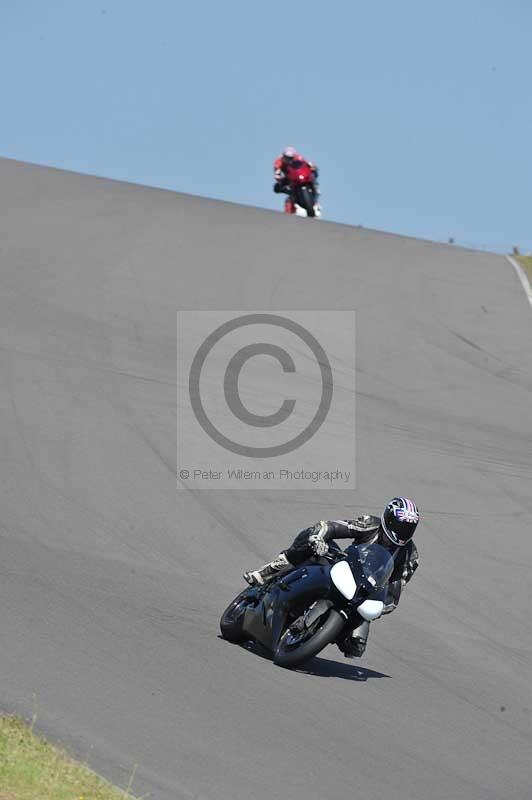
{"x": 302, "y": 191}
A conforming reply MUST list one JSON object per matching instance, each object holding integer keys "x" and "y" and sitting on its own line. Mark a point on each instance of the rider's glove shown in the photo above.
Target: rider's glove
{"x": 409, "y": 569}
{"x": 392, "y": 596}
{"x": 318, "y": 546}
{"x": 389, "y": 606}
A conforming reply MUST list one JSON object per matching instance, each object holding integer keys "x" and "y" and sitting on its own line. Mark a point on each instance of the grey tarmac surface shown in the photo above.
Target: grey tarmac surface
{"x": 112, "y": 583}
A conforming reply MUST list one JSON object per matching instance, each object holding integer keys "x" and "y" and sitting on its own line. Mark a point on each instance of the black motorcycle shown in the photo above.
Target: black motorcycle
{"x": 298, "y": 614}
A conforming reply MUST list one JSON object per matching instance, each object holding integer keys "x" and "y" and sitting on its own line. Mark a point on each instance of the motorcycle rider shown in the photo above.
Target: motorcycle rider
{"x": 280, "y": 166}
{"x": 393, "y": 530}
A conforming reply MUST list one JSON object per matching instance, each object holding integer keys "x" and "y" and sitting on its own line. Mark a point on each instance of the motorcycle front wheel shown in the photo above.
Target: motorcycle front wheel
{"x": 306, "y": 200}
{"x": 299, "y": 644}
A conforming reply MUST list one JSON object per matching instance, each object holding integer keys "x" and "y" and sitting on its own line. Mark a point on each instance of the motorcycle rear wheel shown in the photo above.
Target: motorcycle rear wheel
{"x": 232, "y": 620}
{"x": 290, "y": 655}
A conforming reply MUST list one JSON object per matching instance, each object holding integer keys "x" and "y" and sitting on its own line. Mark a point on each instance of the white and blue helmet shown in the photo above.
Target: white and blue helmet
{"x": 289, "y": 153}
{"x": 399, "y": 520}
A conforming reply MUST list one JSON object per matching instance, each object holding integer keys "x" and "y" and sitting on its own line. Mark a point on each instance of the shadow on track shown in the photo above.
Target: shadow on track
{"x": 320, "y": 667}
{"x": 338, "y": 669}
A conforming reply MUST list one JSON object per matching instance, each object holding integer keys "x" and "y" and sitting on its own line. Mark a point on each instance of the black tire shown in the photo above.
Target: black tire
{"x": 232, "y": 620}
{"x": 307, "y": 200}
{"x": 327, "y": 632}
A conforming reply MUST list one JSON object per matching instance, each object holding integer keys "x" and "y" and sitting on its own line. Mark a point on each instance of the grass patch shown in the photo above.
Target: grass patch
{"x": 33, "y": 769}
{"x": 526, "y": 263}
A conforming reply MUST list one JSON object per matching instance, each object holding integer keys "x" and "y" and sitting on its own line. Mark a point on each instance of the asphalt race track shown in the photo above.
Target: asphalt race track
{"x": 112, "y": 583}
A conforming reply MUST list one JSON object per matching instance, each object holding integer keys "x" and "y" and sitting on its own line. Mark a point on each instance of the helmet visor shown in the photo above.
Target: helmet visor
{"x": 398, "y": 531}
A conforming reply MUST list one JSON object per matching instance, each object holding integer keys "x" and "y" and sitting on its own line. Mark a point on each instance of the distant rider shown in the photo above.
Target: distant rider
{"x": 280, "y": 166}
{"x": 394, "y": 531}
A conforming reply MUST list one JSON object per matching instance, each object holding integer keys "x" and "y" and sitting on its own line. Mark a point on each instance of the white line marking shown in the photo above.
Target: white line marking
{"x": 523, "y": 277}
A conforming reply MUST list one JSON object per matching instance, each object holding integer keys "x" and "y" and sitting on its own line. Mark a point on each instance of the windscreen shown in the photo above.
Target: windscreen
{"x": 376, "y": 562}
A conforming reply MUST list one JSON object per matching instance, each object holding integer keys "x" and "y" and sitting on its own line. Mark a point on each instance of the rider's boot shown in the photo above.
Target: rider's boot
{"x": 289, "y": 207}
{"x": 317, "y": 206}
{"x": 354, "y": 645}
{"x": 265, "y": 574}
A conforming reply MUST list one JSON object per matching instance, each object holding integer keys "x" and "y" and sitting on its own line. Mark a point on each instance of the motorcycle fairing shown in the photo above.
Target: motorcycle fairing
{"x": 266, "y": 621}
{"x": 299, "y": 588}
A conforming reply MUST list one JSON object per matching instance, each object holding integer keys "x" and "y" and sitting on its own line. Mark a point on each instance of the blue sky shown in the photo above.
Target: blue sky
{"x": 419, "y": 114}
